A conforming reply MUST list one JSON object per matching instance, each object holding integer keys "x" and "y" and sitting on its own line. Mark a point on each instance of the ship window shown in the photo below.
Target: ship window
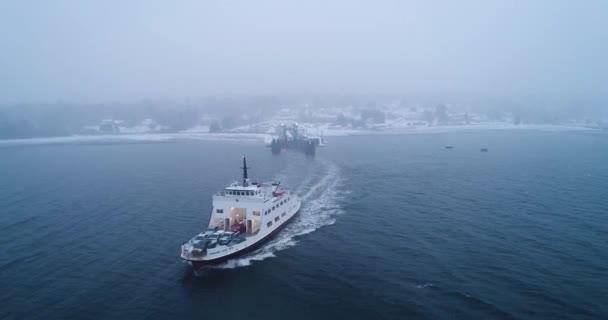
{"x": 256, "y": 213}
{"x": 273, "y": 208}
{"x": 283, "y": 214}
{"x": 219, "y": 210}
{"x": 277, "y": 218}
{"x": 269, "y": 223}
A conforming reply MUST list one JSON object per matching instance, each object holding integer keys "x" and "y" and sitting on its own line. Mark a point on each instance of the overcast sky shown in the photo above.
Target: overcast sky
{"x": 126, "y": 50}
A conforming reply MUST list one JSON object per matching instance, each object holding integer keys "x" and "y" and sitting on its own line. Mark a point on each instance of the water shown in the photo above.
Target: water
{"x": 400, "y": 228}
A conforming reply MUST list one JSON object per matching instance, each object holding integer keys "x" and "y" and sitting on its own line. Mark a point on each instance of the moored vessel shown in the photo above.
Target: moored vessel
{"x": 243, "y": 217}
{"x": 296, "y": 138}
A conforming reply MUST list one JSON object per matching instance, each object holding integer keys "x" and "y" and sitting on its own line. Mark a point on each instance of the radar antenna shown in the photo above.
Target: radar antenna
{"x": 245, "y": 178}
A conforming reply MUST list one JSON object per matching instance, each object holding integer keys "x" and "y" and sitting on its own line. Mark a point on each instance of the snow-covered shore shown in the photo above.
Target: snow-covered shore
{"x": 266, "y": 138}
{"x": 446, "y": 129}
{"x": 137, "y": 138}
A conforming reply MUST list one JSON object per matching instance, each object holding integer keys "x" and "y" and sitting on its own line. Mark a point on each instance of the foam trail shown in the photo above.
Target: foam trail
{"x": 320, "y": 207}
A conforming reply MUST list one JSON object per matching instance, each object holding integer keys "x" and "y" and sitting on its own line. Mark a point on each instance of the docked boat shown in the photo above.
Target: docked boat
{"x": 243, "y": 217}
{"x": 296, "y": 138}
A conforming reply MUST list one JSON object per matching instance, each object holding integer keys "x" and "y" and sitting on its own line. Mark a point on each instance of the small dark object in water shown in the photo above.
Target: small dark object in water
{"x": 449, "y": 147}
{"x": 484, "y": 149}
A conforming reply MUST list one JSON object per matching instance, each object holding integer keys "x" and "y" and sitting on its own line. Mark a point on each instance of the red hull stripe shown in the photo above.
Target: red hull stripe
{"x": 197, "y": 265}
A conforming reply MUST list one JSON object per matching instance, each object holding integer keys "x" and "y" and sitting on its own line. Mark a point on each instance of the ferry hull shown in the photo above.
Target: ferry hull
{"x": 198, "y": 265}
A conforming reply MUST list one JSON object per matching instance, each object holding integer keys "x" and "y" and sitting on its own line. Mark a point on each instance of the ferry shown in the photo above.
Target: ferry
{"x": 296, "y": 138}
{"x": 242, "y": 218}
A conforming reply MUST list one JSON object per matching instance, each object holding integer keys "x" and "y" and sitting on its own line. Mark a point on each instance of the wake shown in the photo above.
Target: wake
{"x": 320, "y": 207}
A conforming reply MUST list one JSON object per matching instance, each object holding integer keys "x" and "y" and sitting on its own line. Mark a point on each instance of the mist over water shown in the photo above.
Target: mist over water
{"x": 461, "y": 169}
{"x": 400, "y": 228}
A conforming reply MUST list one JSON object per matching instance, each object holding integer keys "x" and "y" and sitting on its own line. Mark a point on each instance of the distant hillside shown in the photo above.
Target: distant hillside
{"x": 225, "y": 114}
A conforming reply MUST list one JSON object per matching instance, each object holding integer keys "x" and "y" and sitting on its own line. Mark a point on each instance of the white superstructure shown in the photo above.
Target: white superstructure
{"x": 243, "y": 216}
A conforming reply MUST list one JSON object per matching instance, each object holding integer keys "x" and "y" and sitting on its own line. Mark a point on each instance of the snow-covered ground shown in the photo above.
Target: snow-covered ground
{"x": 332, "y": 131}
{"x": 137, "y": 138}
{"x": 112, "y": 126}
{"x": 197, "y": 129}
{"x": 325, "y": 129}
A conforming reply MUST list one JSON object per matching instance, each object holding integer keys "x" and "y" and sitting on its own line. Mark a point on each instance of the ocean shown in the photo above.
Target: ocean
{"x": 392, "y": 227}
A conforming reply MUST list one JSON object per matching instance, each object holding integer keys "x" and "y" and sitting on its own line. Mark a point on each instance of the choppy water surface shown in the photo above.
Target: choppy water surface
{"x": 391, "y": 227}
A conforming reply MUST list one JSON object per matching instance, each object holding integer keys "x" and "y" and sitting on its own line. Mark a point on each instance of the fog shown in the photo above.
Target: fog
{"x": 99, "y": 67}
{"x": 92, "y": 51}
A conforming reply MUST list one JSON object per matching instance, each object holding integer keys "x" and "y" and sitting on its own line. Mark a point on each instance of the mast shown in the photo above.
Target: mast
{"x": 245, "y": 171}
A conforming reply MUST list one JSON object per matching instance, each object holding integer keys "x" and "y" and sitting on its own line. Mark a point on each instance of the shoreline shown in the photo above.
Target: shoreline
{"x": 265, "y": 138}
